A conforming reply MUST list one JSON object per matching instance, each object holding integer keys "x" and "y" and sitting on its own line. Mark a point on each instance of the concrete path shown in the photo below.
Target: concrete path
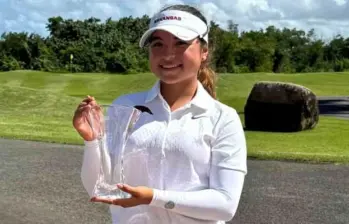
{"x": 334, "y": 106}
{"x": 40, "y": 184}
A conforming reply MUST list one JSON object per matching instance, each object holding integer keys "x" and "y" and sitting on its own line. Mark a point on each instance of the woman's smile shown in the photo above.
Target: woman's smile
{"x": 171, "y": 66}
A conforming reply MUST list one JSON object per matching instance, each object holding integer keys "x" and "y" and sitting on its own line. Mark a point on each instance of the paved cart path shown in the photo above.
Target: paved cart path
{"x": 40, "y": 183}
{"x": 334, "y": 106}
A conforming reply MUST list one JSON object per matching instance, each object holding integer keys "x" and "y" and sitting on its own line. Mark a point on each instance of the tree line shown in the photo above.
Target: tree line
{"x": 112, "y": 46}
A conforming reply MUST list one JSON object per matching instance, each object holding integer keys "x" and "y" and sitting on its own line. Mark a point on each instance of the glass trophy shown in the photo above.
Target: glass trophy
{"x": 112, "y": 125}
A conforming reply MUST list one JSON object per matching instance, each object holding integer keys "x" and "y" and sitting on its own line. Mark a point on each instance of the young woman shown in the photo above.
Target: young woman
{"x": 193, "y": 161}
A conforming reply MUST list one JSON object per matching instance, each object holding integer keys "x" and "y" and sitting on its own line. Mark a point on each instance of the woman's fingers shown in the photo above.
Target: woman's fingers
{"x": 81, "y": 109}
{"x": 103, "y": 200}
{"x": 89, "y": 101}
{"x": 88, "y": 118}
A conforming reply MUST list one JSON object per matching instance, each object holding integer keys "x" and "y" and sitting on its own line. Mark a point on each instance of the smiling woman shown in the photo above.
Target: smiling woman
{"x": 193, "y": 160}
{"x": 190, "y": 23}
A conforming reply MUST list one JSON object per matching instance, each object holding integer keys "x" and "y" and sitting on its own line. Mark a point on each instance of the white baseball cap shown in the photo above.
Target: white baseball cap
{"x": 183, "y": 25}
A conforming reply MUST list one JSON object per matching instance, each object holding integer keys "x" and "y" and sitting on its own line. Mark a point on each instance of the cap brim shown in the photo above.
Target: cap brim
{"x": 181, "y": 33}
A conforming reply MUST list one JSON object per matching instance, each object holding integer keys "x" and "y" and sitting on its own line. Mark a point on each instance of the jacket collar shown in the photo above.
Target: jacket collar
{"x": 153, "y": 92}
{"x": 202, "y": 98}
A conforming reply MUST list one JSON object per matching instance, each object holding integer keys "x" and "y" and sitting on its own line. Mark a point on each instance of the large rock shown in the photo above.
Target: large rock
{"x": 283, "y": 107}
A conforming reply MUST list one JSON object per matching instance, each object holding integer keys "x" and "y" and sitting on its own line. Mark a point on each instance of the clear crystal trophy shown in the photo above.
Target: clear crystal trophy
{"x": 112, "y": 125}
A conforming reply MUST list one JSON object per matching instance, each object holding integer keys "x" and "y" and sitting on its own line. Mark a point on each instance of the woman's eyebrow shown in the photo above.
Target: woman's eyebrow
{"x": 159, "y": 38}
{"x": 151, "y": 39}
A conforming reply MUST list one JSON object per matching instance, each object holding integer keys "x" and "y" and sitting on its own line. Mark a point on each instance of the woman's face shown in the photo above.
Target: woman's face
{"x": 173, "y": 60}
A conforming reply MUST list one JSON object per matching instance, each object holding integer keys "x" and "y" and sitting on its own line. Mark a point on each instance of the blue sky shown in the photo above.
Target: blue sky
{"x": 328, "y": 17}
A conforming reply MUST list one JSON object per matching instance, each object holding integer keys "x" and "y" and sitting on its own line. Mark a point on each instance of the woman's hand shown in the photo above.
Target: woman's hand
{"x": 139, "y": 196}
{"x": 81, "y": 119}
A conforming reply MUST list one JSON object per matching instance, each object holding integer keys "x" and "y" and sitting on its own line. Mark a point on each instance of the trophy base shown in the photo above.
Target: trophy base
{"x": 107, "y": 191}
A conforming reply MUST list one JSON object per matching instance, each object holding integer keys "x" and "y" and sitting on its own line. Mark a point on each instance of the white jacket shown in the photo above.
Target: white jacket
{"x": 194, "y": 158}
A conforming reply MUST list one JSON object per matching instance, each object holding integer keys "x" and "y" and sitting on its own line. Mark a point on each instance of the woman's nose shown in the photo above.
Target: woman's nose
{"x": 169, "y": 52}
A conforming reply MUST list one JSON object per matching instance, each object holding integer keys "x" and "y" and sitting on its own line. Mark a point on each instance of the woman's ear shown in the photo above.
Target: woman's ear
{"x": 204, "y": 53}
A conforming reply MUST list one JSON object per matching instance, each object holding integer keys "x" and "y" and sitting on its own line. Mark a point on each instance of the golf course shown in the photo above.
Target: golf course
{"x": 39, "y": 106}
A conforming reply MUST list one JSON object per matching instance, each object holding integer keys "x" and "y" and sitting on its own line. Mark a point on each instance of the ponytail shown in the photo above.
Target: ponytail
{"x": 208, "y": 79}
{"x": 206, "y": 75}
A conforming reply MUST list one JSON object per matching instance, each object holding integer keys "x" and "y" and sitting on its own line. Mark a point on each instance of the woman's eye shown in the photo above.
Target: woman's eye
{"x": 181, "y": 43}
{"x": 156, "y": 44}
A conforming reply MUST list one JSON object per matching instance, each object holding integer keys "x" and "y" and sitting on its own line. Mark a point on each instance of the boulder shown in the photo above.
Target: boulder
{"x": 281, "y": 107}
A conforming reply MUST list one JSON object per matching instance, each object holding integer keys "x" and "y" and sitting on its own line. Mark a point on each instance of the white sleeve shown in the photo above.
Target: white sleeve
{"x": 227, "y": 174}
{"x": 90, "y": 166}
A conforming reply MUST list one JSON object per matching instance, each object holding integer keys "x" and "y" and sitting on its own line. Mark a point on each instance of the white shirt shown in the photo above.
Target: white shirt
{"x": 194, "y": 158}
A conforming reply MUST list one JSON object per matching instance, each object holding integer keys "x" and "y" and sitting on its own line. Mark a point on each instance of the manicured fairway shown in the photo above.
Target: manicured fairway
{"x": 39, "y": 106}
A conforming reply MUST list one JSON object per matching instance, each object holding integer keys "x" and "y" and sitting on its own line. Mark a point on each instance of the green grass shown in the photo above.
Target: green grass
{"x": 39, "y": 106}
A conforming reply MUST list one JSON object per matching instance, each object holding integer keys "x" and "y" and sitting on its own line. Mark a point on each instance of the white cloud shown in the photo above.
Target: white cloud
{"x": 327, "y": 17}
